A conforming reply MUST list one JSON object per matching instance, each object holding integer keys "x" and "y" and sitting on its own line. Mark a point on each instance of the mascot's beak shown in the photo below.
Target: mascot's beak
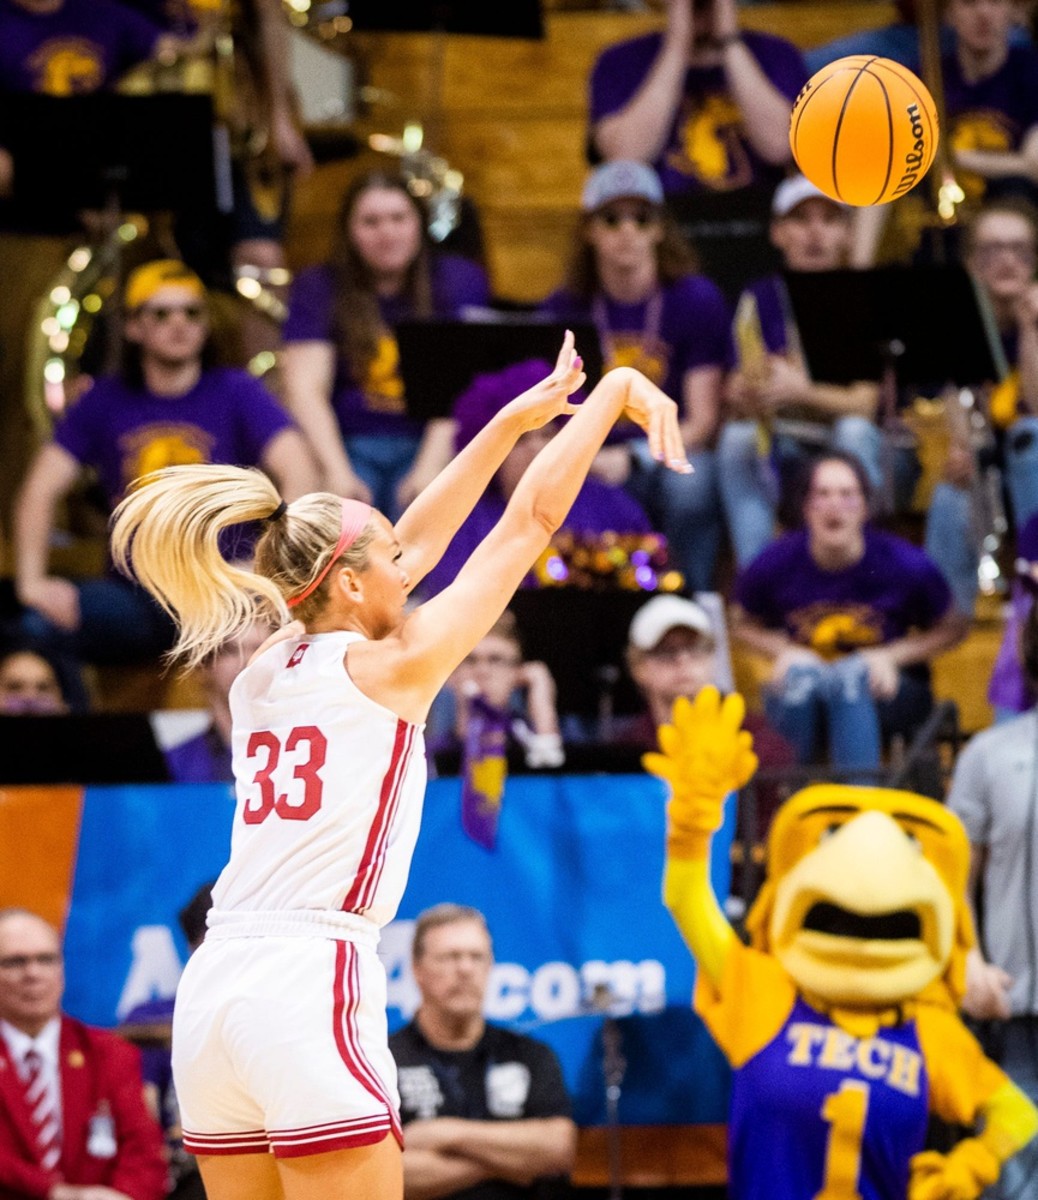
{"x": 863, "y": 915}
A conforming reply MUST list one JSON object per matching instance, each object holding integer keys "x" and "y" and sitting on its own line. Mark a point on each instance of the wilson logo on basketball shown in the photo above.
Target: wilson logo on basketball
{"x": 916, "y": 156}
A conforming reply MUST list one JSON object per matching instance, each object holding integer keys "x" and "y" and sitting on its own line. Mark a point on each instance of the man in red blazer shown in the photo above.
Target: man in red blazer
{"x": 73, "y": 1122}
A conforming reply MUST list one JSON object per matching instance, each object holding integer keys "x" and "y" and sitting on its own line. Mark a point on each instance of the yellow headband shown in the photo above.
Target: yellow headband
{"x": 150, "y": 278}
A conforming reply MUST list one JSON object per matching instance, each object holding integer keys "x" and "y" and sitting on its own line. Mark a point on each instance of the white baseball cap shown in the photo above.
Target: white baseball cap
{"x": 795, "y": 190}
{"x": 664, "y": 613}
{"x": 622, "y": 179}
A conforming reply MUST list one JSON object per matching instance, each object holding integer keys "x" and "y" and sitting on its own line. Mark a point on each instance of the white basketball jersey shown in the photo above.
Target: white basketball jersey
{"x": 329, "y": 786}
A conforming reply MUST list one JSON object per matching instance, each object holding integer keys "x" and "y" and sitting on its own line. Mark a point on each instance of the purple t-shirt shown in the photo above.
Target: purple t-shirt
{"x": 598, "y": 508}
{"x": 81, "y": 48}
{"x": 1009, "y": 687}
{"x": 706, "y": 148}
{"x": 375, "y": 405}
{"x": 227, "y": 417}
{"x": 993, "y": 113}
{"x": 688, "y": 326}
{"x": 892, "y": 589}
{"x": 201, "y": 759}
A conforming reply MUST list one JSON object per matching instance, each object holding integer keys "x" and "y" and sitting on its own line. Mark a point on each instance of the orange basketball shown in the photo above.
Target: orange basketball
{"x": 864, "y": 130}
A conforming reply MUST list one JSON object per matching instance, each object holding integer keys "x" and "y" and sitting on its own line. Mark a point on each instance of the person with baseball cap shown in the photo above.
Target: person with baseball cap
{"x": 167, "y": 406}
{"x": 634, "y": 275}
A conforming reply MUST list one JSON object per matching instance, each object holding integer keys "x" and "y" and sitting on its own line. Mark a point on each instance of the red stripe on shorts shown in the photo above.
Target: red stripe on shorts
{"x": 347, "y": 1041}
{"x": 249, "y": 1141}
{"x": 336, "y": 1135}
{"x": 390, "y": 781}
{"x": 398, "y": 1129}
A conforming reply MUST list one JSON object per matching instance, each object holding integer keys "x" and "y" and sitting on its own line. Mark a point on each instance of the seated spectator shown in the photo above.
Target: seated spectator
{"x": 672, "y": 652}
{"x": 1010, "y": 691}
{"x": 485, "y": 1111}
{"x": 518, "y": 696}
{"x": 599, "y": 507}
{"x": 634, "y": 275}
{"x": 812, "y": 233}
{"x": 990, "y": 101}
{"x": 340, "y": 362}
{"x": 849, "y": 618}
{"x": 206, "y": 757}
{"x": 73, "y": 1121}
{"x": 167, "y": 407}
{"x": 1002, "y": 254}
{"x": 799, "y": 417}
{"x": 29, "y": 684}
{"x": 151, "y": 1023}
{"x": 706, "y": 103}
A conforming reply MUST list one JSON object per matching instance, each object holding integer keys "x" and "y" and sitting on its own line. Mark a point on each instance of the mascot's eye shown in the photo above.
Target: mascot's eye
{"x": 916, "y": 843}
{"x": 829, "y": 830}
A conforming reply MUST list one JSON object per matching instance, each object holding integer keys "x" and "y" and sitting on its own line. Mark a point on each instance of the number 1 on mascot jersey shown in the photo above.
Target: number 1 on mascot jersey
{"x": 840, "y": 1020}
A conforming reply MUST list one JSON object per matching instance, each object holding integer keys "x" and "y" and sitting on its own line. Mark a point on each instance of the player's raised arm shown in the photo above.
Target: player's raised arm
{"x": 426, "y": 528}
{"x": 438, "y": 635}
{"x": 704, "y": 755}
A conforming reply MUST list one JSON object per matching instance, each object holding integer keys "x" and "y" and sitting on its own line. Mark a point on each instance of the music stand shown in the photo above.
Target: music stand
{"x": 516, "y": 19}
{"x": 136, "y": 153}
{"x": 933, "y": 323}
{"x": 81, "y": 748}
{"x": 440, "y": 358}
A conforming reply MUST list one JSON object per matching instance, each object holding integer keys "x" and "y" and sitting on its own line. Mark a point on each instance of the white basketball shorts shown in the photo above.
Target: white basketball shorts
{"x": 280, "y": 1044}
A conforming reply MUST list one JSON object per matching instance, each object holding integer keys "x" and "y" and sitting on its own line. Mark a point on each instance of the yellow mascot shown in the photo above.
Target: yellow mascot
{"x": 840, "y": 1022}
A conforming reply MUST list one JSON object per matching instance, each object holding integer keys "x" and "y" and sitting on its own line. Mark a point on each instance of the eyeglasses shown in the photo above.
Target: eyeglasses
{"x": 642, "y": 218}
{"x": 160, "y": 313}
{"x": 1022, "y": 251}
{"x": 455, "y": 958}
{"x": 21, "y": 962}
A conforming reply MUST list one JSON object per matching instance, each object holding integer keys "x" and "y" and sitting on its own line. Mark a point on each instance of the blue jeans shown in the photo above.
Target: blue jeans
{"x": 119, "y": 623}
{"x": 1021, "y": 465}
{"x": 749, "y": 483}
{"x": 835, "y": 697}
{"x": 685, "y": 508}
{"x": 382, "y": 461}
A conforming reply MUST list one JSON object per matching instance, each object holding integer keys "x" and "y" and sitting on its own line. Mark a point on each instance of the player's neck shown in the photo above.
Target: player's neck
{"x": 445, "y": 1032}
{"x": 628, "y": 285}
{"x": 168, "y": 378}
{"x": 980, "y": 64}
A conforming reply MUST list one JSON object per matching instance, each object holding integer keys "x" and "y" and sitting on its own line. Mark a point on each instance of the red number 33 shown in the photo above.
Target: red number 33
{"x": 266, "y": 800}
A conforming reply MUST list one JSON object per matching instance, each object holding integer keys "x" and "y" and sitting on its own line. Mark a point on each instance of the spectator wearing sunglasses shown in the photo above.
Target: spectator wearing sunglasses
{"x": 168, "y": 407}
{"x": 635, "y": 276}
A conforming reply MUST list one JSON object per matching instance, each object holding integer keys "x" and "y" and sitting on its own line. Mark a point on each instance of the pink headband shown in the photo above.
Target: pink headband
{"x": 355, "y": 515}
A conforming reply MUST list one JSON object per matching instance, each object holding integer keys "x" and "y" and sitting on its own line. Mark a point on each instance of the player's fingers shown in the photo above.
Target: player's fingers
{"x": 566, "y": 354}
{"x": 673, "y": 444}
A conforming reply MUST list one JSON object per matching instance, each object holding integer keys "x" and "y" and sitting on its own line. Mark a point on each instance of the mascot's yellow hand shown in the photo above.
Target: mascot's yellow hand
{"x": 961, "y": 1174}
{"x": 705, "y": 755}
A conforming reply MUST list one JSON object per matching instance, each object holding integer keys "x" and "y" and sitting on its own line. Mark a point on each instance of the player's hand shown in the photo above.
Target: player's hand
{"x": 987, "y": 990}
{"x": 56, "y": 599}
{"x": 705, "y": 754}
{"x": 550, "y": 398}
{"x": 962, "y": 1174}
{"x": 655, "y": 413}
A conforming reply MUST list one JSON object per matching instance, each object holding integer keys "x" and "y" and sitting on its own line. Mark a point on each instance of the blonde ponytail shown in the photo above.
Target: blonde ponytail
{"x": 166, "y": 534}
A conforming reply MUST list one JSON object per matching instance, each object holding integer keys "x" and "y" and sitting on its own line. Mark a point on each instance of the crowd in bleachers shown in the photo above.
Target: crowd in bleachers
{"x": 849, "y": 546}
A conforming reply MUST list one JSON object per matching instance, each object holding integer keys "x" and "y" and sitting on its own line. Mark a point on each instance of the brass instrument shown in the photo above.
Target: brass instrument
{"x": 61, "y": 323}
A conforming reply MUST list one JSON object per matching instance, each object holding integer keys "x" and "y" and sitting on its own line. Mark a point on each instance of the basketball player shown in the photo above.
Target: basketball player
{"x": 279, "y": 1034}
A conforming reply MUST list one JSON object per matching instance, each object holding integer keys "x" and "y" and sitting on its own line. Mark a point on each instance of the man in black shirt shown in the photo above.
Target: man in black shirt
{"x": 485, "y": 1111}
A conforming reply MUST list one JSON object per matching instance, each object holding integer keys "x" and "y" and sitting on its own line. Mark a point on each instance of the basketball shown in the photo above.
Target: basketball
{"x": 864, "y": 130}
